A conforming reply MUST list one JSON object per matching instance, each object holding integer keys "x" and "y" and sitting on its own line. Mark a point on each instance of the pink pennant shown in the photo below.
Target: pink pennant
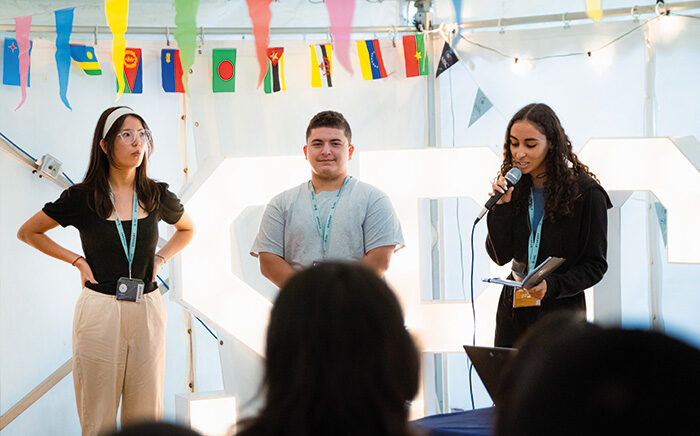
{"x": 22, "y": 26}
{"x": 260, "y": 15}
{"x": 340, "y": 13}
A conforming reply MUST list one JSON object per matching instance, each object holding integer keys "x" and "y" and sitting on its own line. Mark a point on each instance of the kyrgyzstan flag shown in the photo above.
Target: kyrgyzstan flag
{"x": 171, "y": 70}
{"x": 415, "y": 55}
{"x": 224, "y": 69}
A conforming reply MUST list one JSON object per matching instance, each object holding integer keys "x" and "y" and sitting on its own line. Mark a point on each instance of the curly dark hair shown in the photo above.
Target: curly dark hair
{"x": 562, "y": 166}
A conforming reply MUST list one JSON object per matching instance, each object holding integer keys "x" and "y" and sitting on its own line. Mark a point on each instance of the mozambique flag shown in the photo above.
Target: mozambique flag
{"x": 321, "y": 65}
{"x": 415, "y": 55}
{"x": 171, "y": 70}
{"x": 85, "y": 57}
{"x": 224, "y": 68}
{"x": 133, "y": 75}
{"x": 371, "y": 61}
{"x": 274, "y": 79}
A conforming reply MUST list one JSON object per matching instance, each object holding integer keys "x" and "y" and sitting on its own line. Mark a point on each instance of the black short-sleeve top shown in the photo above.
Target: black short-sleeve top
{"x": 100, "y": 240}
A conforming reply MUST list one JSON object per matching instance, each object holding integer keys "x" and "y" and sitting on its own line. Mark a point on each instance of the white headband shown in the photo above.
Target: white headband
{"x": 111, "y": 118}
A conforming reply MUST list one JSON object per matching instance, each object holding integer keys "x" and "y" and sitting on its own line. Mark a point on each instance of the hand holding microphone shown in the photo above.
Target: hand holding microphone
{"x": 502, "y": 190}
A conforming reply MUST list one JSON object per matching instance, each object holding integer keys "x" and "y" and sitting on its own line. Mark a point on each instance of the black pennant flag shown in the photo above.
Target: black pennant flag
{"x": 447, "y": 59}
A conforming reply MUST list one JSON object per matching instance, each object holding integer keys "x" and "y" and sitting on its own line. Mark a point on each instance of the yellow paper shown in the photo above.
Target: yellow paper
{"x": 593, "y": 9}
{"x": 522, "y": 299}
{"x": 117, "y": 12}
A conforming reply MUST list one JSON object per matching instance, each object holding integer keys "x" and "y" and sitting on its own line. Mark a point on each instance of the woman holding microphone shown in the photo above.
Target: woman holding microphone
{"x": 119, "y": 322}
{"x": 558, "y": 209}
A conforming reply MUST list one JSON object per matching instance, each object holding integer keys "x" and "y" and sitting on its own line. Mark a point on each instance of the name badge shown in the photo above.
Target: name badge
{"x": 130, "y": 289}
{"x": 522, "y": 299}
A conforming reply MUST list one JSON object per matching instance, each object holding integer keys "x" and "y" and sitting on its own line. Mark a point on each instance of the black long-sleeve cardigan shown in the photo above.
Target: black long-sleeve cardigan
{"x": 581, "y": 239}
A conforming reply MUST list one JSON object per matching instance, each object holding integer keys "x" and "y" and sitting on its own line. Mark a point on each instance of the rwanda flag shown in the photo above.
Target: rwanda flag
{"x": 133, "y": 75}
{"x": 274, "y": 79}
{"x": 415, "y": 55}
{"x": 224, "y": 69}
{"x": 85, "y": 57}
{"x": 171, "y": 70}
{"x": 321, "y": 66}
{"x": 371, "y": 61}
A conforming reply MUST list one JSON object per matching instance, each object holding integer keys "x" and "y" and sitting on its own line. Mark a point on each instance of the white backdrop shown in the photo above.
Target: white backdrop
{"x": 37, "y": 294}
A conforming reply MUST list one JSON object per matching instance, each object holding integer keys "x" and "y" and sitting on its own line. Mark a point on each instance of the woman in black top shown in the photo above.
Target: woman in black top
{"x": 118, "y": 343}
{"x": 562, "y": 196}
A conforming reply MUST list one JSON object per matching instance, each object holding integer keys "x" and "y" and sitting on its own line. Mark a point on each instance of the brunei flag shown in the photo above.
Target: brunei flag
{"x": 274, "y": 79}
{"x": 224, "y": 68}
{"x": 371, "y": 61}
{"x": 171, "y": 70}
{"x": 415, "y": 55}
{"x": 133, "y": 75}
{"x": 85, "y": 57}
{"x": 321, "y": 66}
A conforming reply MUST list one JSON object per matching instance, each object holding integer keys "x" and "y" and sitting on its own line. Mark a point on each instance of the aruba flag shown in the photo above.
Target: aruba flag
{"x": 10, "y": 68}
{"x": 133, "y": 75}
{"x": 85, "y": 57}
{"x": 171, "y": 70}
{"x": 371, "y": 61}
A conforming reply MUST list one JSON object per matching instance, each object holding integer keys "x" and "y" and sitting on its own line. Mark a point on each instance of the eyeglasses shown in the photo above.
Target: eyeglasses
{"x": 130, "y": 136}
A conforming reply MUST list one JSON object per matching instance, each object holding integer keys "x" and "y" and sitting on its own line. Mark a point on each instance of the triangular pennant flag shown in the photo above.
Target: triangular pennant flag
{"x": 64, "y": 28}
{"x": 371, "y": 62}
{"x": 133, "y": 74}
{"x": 321, "y": 66}
{"x": 447, "y": 59}
{"x": 22, "y": 26}
{"x": 224, "y": 68}
{"x": 117, "y": 12}
{"x": 340, "y": 13}
{"x": 274, "y": 79}
{"x": 415, "y": 55}
{"x": 186, "y": 34}
{"x": 171, "y": 70}
{"x": 86, "y": 59}
{"x": 481, "y": 105}
{"x": 260, "y": 15}
{"x": 593, "y": 10}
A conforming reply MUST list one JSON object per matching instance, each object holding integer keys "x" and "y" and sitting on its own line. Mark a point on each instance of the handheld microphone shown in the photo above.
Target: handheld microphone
{"x": 512, "y": 177}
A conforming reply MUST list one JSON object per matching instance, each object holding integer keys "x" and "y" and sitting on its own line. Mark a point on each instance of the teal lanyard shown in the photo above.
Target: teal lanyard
{"x": 325, "y": 232}
{"x": 534, "y": 242}
{"x": 134, "y": 228}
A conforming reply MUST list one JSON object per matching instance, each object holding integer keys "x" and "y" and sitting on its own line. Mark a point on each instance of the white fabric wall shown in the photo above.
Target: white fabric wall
{"x": 37, "y": 293}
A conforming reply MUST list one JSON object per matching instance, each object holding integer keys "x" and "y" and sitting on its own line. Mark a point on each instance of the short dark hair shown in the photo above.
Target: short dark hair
{"x": 338, "y": 357}
{"x": 574, "y": 378}
{"x": 331, "y": 119}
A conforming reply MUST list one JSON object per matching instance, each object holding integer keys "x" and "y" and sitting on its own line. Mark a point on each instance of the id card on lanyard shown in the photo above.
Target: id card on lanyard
{"x": 128, "y": 288}
{"x": 520, "y": 297}
{"x": 325, "y": 231}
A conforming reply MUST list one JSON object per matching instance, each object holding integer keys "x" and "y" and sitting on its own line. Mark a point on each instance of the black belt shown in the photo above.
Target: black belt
{"x": 110, "y": 288}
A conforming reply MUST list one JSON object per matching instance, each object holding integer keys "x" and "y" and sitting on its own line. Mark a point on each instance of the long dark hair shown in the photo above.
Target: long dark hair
{"x": 562, "y": 166}
{"x": 339, "y": 360}
{"x": 97, "y": 175}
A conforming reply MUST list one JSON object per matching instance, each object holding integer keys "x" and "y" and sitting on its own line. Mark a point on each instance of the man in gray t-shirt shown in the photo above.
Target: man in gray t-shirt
{"x": 331, "y": 217}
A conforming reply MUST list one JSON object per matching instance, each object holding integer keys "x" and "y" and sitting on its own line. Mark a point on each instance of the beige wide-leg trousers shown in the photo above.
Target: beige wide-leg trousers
{"x": 118, "y": 352}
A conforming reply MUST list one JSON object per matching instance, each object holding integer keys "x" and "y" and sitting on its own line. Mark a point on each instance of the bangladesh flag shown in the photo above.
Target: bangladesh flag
{"x": 224, "y": 69}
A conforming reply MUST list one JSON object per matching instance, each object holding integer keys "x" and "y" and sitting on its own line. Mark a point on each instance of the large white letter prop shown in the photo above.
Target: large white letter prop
{"x": 406, "y": 176}
{"x": 668, "y": 166}
{"x": 221, "y": 190}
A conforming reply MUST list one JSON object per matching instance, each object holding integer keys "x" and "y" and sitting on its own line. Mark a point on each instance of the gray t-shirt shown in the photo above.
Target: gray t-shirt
{"x": 363, "y": 220}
